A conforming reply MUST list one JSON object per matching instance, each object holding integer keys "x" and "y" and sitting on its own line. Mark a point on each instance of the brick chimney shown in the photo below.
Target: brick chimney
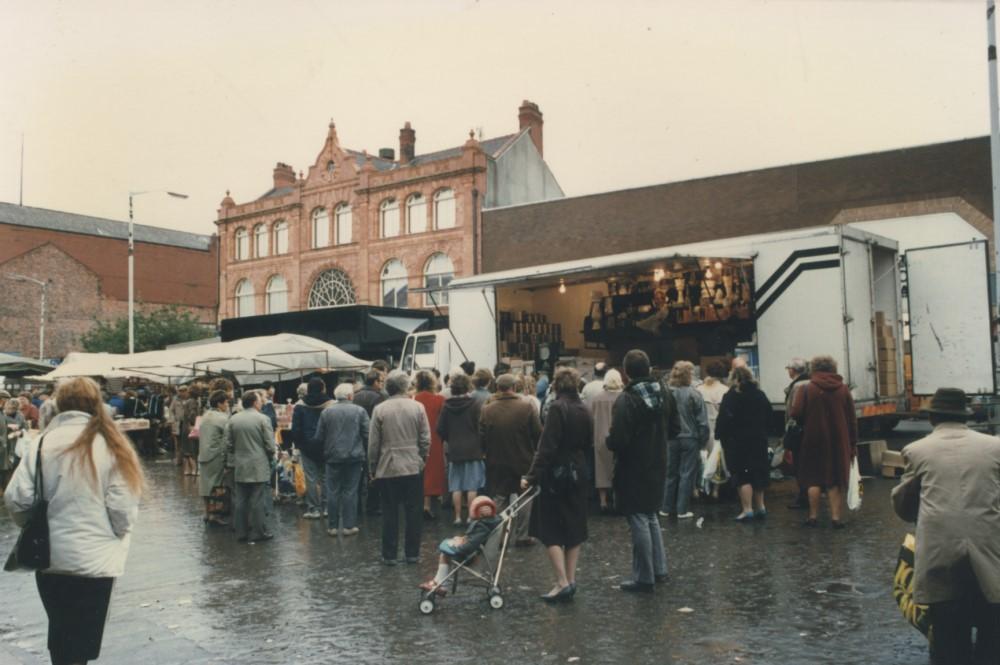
{"x": 407, "y": 144}
{"x": 284, "y": 176}
{"x": 530, "y": 116}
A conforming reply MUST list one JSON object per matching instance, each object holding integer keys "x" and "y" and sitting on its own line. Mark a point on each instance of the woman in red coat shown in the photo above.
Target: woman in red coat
{"x": 825, "y": 409}
{"x": 434, "y": 478}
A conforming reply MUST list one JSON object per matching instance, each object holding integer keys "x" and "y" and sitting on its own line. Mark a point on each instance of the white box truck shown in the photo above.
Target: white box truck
{"x": 832, "y": 290}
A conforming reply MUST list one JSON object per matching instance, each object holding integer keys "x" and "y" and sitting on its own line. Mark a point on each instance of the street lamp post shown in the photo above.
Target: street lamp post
{"x": 131, "y": 261}
{"x": 41, "y": 324}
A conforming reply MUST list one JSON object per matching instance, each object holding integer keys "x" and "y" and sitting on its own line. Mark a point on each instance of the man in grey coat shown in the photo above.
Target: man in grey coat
{"x": 250, "y": 451}
{"x": 342, "y": 433}
{"x": 951, "y": 489}
{"x": 398, "y": 443}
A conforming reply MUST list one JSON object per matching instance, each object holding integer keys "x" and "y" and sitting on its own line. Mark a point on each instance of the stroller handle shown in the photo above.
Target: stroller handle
{"x": 520, "y": 502}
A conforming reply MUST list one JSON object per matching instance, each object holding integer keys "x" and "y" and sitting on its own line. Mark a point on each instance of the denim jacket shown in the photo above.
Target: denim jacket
{"x": 691, "y": 413}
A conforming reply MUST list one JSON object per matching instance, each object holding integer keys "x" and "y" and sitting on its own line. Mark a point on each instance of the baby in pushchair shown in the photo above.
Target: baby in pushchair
{"x": 479, "y": 553}
{"x": 462, "y": 549}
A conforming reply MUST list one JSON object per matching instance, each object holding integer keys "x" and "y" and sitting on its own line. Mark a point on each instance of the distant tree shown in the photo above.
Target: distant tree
{"x": 154, "y": 329}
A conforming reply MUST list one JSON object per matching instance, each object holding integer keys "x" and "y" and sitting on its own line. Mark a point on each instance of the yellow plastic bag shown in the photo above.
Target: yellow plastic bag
{"x": 902, "y": 589}
{"x": 300, "y": 479}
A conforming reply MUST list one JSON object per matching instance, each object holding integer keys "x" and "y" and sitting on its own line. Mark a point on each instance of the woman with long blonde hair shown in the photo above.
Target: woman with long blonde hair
{"x": 92, "y": 479}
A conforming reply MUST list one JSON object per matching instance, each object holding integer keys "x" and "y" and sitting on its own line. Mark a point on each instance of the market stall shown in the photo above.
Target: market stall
{"x": 253, "y": 360}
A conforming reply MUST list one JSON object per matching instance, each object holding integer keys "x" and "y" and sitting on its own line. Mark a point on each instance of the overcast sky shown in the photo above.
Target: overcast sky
{"x": 202, "y": 96}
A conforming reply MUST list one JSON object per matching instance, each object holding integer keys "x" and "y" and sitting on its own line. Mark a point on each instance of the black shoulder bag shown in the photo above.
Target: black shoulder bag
{"x": 32, "y": 550}
{"x": 792, "y": 441}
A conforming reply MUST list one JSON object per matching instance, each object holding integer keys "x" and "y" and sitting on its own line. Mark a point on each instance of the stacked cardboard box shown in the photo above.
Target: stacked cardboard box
{"x": 892, "y": 464}
{"x": 522, "y": 332}
{"x": 888, "y": 371}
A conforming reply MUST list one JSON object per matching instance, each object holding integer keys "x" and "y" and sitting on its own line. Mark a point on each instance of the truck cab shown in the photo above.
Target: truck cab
{"x": 431, "y": 349}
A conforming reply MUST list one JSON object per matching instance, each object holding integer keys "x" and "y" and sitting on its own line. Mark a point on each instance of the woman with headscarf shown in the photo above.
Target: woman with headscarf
{"x": 825, "y": 409}
{"x": 600, "y": 406}
{"x": 92, "y": 480}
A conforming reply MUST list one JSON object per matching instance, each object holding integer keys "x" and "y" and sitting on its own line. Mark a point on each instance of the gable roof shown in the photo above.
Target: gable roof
{"x": 491, "y": 147}
{"x": 771, "y": 199}
{"x": 68, "y": 222}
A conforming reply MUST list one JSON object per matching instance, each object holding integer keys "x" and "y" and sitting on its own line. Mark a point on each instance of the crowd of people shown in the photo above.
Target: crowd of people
{"x": 639, "y": 445}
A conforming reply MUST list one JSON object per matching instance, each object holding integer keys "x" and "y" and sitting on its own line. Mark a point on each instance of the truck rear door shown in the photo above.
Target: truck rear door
{"x": 950, "y": 333}
{"x": 472, "y": 318}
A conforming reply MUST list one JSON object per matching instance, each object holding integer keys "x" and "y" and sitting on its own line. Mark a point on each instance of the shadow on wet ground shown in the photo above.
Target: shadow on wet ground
{"x": 769, "y": 592}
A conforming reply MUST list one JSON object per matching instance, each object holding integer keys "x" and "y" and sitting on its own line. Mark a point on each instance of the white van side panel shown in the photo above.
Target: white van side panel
{"x": 859, "y": 370}
{"x": 472, "y": 318}
{"x": 799, "y": 305}
{"x": 950, "y": 336}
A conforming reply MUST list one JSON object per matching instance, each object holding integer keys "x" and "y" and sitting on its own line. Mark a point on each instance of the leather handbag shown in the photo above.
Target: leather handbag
{"x": 32, "y": 550}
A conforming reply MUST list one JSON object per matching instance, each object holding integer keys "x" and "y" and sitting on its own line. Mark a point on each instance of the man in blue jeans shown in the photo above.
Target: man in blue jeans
{"x": 643, "y": 419}
{"x": 343, "y": 433}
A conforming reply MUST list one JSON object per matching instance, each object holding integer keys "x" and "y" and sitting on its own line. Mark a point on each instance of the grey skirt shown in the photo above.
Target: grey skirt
{"x": 466, "y": 476}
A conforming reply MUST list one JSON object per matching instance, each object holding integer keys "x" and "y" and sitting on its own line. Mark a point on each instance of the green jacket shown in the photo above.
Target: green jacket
{"x": 250, "y": 446}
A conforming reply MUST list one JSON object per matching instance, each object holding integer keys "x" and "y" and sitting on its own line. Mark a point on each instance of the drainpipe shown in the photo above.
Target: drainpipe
{"x": 476, "y": 235}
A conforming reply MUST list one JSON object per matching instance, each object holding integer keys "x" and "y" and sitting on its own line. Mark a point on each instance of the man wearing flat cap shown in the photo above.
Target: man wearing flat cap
{"x": 951, "y": 489}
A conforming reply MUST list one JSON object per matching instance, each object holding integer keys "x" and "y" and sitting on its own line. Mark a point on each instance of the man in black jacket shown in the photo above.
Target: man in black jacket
{"x": 370, "y": 396}
{"x": 643, "y": 418}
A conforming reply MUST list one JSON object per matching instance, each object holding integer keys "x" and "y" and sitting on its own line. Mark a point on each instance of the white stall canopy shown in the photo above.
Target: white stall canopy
{"x": 253, "y": 360}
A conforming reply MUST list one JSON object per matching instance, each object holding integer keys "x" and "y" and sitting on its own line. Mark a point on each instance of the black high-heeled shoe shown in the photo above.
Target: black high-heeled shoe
{"x": 561, "y": 596}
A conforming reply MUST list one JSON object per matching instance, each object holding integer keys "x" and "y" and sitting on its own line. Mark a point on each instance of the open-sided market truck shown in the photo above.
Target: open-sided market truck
{"x": 831, "y": 290}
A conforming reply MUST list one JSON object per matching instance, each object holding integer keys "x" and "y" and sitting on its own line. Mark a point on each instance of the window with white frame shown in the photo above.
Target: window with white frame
{"x": 320, "y": 228}
{"x": 244, "y": 298}
{"x": 416, "y": 213}
{"x": 343, "y": 220}
{"x": 332, "y": 288}
{"x": 260, "y": 241}
{"x": 444, "y": 209}
{"x": 438, "y": 273}
{"x": 281, "y": 237}
{"x": 242, "y": 244}
{"x": 394, "y": 284}
{"x": 276, "y": 295}
{"x": 389, "y": 218}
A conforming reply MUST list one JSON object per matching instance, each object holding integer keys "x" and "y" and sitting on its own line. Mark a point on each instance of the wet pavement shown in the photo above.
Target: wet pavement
{"x": 770, "y": 592}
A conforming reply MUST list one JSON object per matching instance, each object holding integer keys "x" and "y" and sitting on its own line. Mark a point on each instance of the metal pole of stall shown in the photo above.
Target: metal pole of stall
{"x": 991, "y": 57}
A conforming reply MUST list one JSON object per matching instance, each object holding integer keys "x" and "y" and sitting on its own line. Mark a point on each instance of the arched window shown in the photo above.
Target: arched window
{"x": 260, "y": 240}
{"x": 281, "y": 237}
{"x": 444, "y": 209}
{"x": 276, "y": 295}
{"x": 416, "y": 213}
{"x": 242, "y": 244}
{"x": 394, "y": 284}
{"x": 244, "y": 298}
{"x": 330, "y": 289}
{"x": 343, "y": 220}
{"x": 389, "y": 218}
{"x": 438, "y": 273}
{"x": 320, "y": 228}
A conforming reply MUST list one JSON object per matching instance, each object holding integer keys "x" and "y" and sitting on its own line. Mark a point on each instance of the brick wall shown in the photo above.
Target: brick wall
{"x": 88, "y": 282}
{"x": 364, "y": 188}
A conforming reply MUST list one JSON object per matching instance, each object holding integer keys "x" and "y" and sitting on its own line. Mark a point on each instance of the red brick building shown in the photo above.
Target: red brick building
{"x": 360, "y": 228}
{"x": 85, "y": 261}
{"x": 944, "y": 186}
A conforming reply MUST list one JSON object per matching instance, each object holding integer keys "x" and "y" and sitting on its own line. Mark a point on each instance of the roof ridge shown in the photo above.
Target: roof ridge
{"x": 104, "y": 219}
